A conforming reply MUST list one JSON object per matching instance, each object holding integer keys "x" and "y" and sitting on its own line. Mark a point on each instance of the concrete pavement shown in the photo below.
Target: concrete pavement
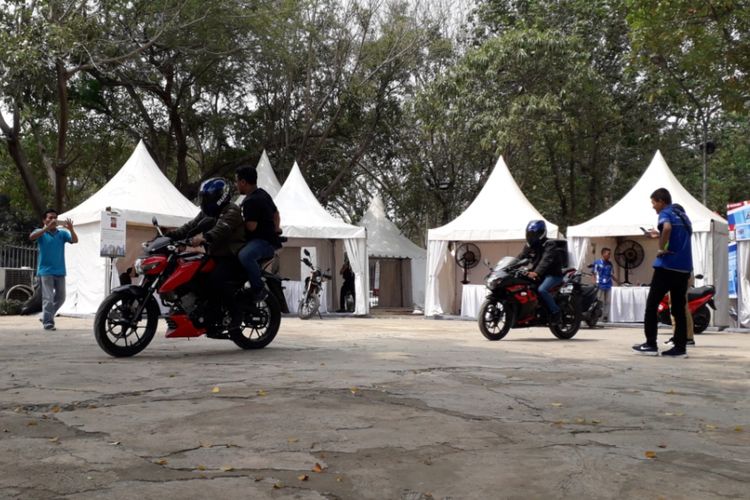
{"x": 402, "y": 408}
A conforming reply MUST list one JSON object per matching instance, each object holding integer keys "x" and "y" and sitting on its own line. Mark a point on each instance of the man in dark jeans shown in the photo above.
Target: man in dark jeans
{"x": 672, "y": 268}
{"x": 262, "y": 227}
{"x": 545, "y": 265}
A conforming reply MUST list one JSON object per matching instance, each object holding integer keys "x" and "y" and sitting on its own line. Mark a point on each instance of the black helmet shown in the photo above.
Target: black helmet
{"x": 214, "y": 195}
{"x": 536, "y": 231}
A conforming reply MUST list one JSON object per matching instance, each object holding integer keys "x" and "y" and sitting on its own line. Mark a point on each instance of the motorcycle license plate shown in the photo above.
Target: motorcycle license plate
{"x": 567, "y": 289}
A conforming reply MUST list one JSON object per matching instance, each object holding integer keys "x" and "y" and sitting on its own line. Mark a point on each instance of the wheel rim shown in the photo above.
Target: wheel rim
{"x": 308, "y": 307}
{"x": 256, "y": 322}
{"x": 568, "y": 319}
{"x": 495, "y": 318}
{"x": 118, "y": 328}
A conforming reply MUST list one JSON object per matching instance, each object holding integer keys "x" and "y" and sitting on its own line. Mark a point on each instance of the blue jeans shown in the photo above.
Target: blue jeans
{"x": 53, "y": 297}
{"x": 253, "y": 251}
{"x": 547, "y": 283}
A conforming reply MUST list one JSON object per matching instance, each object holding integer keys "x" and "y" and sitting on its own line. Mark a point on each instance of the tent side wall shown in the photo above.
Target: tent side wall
{"x": 85, "y": 269}
{"x": 720, "y": 277}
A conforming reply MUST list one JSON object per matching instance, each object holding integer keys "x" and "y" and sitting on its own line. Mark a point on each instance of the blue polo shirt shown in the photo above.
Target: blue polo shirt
{"x": 603, "y": 270}
{"x": 679, "y": 256}
{"x": 52, "y": 252}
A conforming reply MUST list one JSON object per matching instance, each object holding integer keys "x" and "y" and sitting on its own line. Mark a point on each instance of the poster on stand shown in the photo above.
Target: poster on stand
{"x": 733, "y": 277}
{"x": 112, "y": 234}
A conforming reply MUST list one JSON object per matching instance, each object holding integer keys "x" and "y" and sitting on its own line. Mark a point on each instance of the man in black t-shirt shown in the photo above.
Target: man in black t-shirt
{"x": 262, "y": 226}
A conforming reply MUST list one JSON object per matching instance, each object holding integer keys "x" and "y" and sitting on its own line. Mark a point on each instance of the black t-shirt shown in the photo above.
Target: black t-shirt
{"x": 259, "y": 207}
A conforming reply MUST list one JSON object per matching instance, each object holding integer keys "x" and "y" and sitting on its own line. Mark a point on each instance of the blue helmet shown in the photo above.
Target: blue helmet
{"x": 214, "y": 195}
{"x": 536, "y": 231}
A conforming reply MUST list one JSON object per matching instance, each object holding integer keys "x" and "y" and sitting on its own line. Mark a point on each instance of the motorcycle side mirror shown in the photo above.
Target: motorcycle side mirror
{"x": 487, "y": 263}
{"x": 699, "y": 276}
{"x": 155, "y": 222}
{"x": 307, "y": 262}
{"x": 306, "y": 252}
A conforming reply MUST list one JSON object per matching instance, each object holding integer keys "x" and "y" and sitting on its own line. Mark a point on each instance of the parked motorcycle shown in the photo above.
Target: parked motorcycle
{"x": 699, "y": 300}
{"x": 126, "y": 320}
{"x": 309, "y": 304}
{"x": 513, "y": 302}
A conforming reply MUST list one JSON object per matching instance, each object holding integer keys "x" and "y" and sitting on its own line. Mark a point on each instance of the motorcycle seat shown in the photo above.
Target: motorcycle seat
{"x": 697, "y": 293}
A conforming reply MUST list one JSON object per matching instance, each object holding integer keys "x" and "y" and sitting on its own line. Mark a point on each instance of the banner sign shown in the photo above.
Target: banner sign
{"x": 112, "y": 234}
{"x": 733, "y": 277}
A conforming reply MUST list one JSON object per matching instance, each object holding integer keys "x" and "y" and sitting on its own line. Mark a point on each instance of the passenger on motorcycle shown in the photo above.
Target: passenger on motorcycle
{"x": 262, "y": 224}
{"x": 545, "y": 264}
{"x": 225, "y": 238}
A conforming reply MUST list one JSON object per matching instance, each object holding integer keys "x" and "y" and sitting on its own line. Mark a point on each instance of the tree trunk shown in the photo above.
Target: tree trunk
{"x": 60, "y": 165}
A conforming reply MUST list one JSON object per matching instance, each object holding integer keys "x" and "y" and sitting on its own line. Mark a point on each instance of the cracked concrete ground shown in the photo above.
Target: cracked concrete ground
{"x": 378, "y": 408}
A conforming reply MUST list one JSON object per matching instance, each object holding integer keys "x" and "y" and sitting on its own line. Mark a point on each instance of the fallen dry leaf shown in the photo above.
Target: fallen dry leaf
{"x": 162, "y": 462}
{"x": 258, "y": 478}
{"x": 710, "y": 427}
{"x": 54, "y": 439}
{"x": 556, "y": 404}
{"x": 650, "y": 454}
{"x": 114, "y": 443}
{"x": 354, "y": 390}
{"x": 31, "y": 424}
{"x": 55, "y": 409}
{"x": 339, "y": 479}
{"x": 318, "y": 468}
{"x": 227, "y": 468}
{"x": 662, "y": 445}
{"x": 278, "y": 485}
{"x": 292, "y": 440}
{"x": 738, "y": 429}
{"x": 216, "y": 389}
{"x": 201, "y": 467}
{"x": 303, "y": 477}
{"x": 262, "y": 393}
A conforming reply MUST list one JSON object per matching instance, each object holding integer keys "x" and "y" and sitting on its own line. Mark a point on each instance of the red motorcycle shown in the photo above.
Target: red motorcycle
{"x": 126, "y": 320}
{"x": 699, "y": 300}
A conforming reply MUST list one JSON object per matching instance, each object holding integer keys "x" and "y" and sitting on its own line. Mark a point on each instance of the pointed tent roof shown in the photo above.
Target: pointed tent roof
{"x": 383, "y": 237}
{"x": 139, "y": 190}
{"x": 302, "y": 216}
{"x": 266, "y": 177}
{"x": 499, "y": 212}
{"x": 634, "y": 210}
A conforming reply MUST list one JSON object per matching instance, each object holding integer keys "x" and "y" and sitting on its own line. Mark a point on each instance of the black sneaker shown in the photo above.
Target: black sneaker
{"x": 646, "y": 349}
{"x": 688, "y": 342}
{"x": 675, "y": 352}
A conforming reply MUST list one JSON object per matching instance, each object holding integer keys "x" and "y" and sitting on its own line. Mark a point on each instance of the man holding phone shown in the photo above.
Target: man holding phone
{"x": 672, "y": 268}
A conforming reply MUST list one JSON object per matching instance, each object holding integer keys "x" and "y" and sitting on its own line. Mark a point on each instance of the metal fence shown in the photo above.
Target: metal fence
{"x": 18, "y": 256}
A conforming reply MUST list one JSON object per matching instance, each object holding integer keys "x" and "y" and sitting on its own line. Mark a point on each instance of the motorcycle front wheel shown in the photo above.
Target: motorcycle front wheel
{"x": 570, "y": 319}
{"x": 116, "y": 329}
{"x": 308, "y": 306}
{"x": 260, "y": 323}
{"x": 495, "y": 319}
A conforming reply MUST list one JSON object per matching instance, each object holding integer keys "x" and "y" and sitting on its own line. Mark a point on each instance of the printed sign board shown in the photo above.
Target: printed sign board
{"x": 112, "y": 234}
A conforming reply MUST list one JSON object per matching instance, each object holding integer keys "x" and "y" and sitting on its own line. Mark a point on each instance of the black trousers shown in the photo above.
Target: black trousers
{"x": 674, "y": 282}
{"x": 346, "y": 288}
{"x": 219, "y": 283}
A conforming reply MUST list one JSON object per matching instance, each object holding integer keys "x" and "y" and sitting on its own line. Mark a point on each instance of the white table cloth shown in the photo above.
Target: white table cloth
{"x": 628, "y": 303}
{"x": 293, "y": 291}
{"x": 472, "y": 297}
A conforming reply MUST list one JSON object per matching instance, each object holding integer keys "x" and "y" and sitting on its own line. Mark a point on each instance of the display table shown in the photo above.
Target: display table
{"x": 293, "y": 291}
{"x": 628, "y": 303}
{"x": 472, "y": 297}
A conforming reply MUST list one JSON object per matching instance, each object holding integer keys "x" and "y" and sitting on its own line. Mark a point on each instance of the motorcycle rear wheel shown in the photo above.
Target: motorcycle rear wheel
{"x": 495, "y": 319}
{"x": 570, "y": 322}
{"x": 308, "y": 306}
{"x": 260, "y": 324}
{"x": 112, "y": 328}
{"x": 701, "y": 319}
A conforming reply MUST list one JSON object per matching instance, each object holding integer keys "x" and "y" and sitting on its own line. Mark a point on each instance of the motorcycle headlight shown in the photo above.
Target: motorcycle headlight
{"x": 143, "y": 266}
{"x": 138, "y": 265}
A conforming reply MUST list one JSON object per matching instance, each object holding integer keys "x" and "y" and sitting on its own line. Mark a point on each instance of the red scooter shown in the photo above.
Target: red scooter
{"x": 699, "y": 300}
{"x": 126, "y": 320}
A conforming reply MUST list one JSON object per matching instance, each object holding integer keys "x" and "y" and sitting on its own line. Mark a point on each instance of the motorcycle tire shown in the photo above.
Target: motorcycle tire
{"x": 701, "y": 319}
{"x": 571, "y": 320}
{"x": 349, "y": 302}
{"x": 260, "y": 324}
{"x": 495, "y": 319}
{"x": 308, "y": 307}
{"x": 594, "y": 315}
{"x": 112, "y": 328}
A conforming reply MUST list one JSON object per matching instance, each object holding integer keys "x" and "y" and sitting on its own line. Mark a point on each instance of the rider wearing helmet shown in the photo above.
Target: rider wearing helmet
{"x": 219, "y": 223}
{"x": 545, "y": 264}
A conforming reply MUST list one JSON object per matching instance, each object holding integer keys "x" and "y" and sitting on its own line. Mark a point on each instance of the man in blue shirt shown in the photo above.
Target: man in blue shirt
{"x": 672, "y": 268}
{"x": 603, "y": 271}
{"x": 51, "y": 268}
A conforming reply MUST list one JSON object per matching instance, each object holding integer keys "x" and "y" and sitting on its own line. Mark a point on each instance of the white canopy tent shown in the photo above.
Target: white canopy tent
{"x": 139, "y": 191}
{"x": 306, "y": 223}
{"x": 385, "y": 241}
{"x": 634, "y": 211}
{"x": 496, "y": 220}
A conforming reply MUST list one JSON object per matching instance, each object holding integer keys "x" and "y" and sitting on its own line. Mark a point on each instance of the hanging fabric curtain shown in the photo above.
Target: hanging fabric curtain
{"x": 437, "y": 253}
{"x": 356, "y": 249}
